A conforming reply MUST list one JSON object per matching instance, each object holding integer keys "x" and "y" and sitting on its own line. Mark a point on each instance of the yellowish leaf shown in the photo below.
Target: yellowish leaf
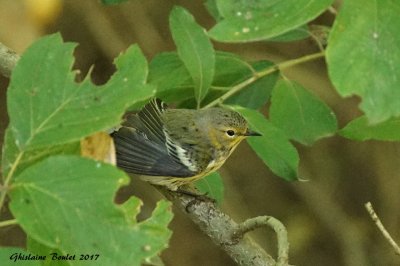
{"x": 99, "y": 146}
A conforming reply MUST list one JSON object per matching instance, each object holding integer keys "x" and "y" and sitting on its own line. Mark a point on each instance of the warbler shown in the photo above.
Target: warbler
{"x": 175, "y": 147}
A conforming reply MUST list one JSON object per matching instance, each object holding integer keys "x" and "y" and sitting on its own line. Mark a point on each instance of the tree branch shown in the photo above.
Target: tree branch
{"x": 229, "y": 235}
{"x": 380, "y": 226}
{"x": 8, "y": 60}
{"x": 280, "y": 230}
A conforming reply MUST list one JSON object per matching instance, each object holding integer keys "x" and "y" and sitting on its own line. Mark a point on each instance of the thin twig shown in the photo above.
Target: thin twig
{"x": 236, "y": 89}
{"x": 280, "y": 230}
{"x": 332, "y": 10}
{"x": 8, "y": 223}
{"x": 380, "y": 226}
{"x": 8, "y": 60}
{"x": 258, "y": 75}
{"x": 319, "y": 34}
{"x": 8, "y": 178}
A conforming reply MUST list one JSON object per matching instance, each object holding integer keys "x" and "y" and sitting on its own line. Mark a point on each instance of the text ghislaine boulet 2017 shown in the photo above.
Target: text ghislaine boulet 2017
{"x": 53, "y": 256}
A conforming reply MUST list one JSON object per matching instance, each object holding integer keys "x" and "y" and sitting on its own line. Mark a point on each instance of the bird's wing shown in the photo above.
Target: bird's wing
{"x": 151, "y": 121}
{"x": 141, "y": 145}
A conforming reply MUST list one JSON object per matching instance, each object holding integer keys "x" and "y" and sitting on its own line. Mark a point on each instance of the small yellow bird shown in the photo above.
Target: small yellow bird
{"x": 175, "y": 147}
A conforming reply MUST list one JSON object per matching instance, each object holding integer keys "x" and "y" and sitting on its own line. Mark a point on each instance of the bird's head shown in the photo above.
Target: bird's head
{"x": 226, "y": 128}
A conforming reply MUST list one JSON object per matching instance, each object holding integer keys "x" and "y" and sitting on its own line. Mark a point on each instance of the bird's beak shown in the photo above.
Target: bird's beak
{"x": 251, "y": 133}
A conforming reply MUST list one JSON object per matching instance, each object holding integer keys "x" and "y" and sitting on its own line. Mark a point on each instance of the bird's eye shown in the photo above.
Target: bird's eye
{"x": 230, "y": 133}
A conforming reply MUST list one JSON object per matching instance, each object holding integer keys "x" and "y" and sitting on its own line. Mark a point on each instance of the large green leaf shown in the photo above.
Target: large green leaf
{"x": 195, "y": 50}
{"x": 300, "y": 114}
{"x": 173, "y": 81}
{"x": 47, "y": 107}
{"x": 363, "y": 55}
{"x": 11, "y": 151}
{"x": 293, "y": 35}
{"x": 361, "y": 129}
{"x": 66, "y": 204}
{"x": 246, "y": 21}
{"x": 36, "y": 248}
{"x": 272, "y": 147}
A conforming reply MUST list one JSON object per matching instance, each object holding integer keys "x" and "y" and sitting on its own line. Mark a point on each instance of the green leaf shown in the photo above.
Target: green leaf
{"x": 194, "y": 49}
{"x": 39, "y": 249}
{"x": 64, "y": 194}
{"x": 11, "y": 151}
{"x": 9, "y": 257}
{"x": 213, "y": 186}
{"x": 272, "y": 147}
{"x": 230, "y": 69}
{"x": 173, "y": 81}
{"x": 112, "y": 2}
{"x": 361, "y": 129}
{"x": 47, "y": 107}
{"x": 212, "y": 8}
{"x": 148, "y": 93}
{"x": 300, "y": 114}
{"x": 246, "y": 21}
{"x": 256, "y": 94}
{"x": 363, "y": 56}
{"x": 297, "y": 34}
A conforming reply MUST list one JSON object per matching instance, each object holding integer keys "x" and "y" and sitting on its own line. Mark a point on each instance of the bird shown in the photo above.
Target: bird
{"x": 176, "y": 147}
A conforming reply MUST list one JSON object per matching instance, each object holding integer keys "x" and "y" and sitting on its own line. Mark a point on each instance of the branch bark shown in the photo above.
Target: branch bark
{"x": 8, "y": 60}
{"x": 228, "y": 234}
{"x": 280, "y": 230}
